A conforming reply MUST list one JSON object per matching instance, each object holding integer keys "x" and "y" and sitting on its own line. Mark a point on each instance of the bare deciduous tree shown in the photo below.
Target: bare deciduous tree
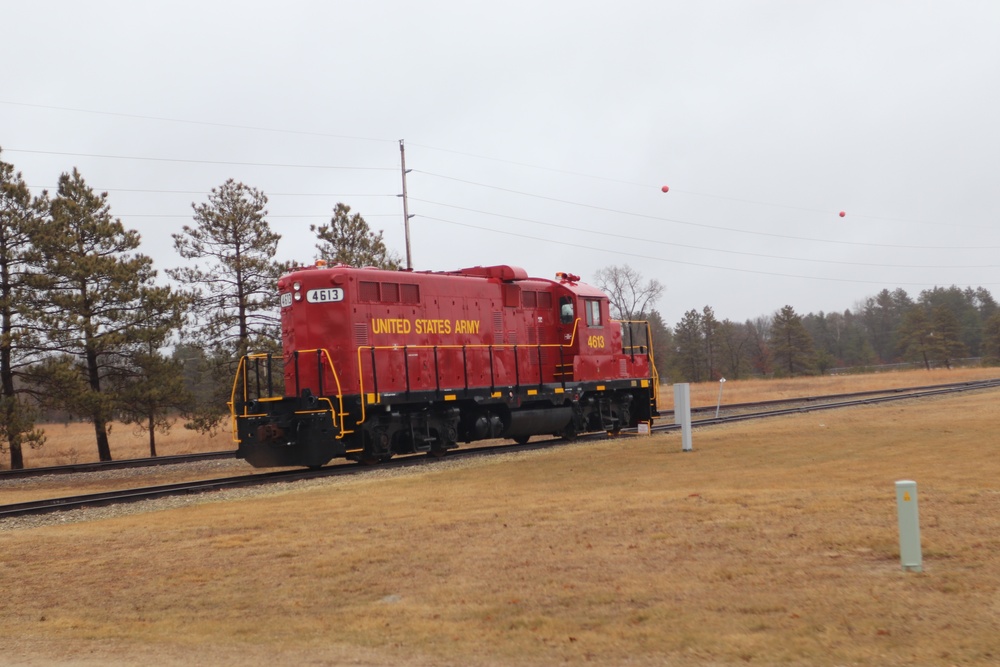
{"x": 630, "y": 298}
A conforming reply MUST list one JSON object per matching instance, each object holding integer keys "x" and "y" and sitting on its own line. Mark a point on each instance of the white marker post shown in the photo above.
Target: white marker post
{"x": 909, "y": 526}
{"x": 718, "y": 403}
{"x": 682, "y": 413}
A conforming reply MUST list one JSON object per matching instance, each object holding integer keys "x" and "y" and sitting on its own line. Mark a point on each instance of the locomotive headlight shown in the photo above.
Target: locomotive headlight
{"x": 297, "y": 296}
{"x": 296, "y": 286}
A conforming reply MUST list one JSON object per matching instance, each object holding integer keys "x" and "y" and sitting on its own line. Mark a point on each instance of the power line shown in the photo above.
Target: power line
{"x": 193, "y": 122}
{"x": 650, "y": 186}
{"x": 163, "y": 159}
{"x": 202, "y": 192}
{"x": 325, "y": 216}
{"x": 674, "y": 244}
{"x": 534, "y": 166}
{"x": 702, "y": 225}
{"x": 678, "y": 261}
{"x": 450, "y": 151}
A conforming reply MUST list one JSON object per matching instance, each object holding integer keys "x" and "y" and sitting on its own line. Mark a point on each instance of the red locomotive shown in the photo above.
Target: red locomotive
{"x": 378, "y": 363}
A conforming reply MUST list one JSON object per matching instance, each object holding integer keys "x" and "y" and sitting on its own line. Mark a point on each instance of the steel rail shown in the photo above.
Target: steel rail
{"x": 152, "y": 492}
{"x": 868, "y": 400}
{"x": 972, "y": 384}
{"x": 121, "y": 496}
{"x": 116, "y": 465}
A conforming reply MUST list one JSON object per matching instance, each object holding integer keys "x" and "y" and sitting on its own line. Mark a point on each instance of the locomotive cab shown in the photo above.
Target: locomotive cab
{"x": 586, "y": 329}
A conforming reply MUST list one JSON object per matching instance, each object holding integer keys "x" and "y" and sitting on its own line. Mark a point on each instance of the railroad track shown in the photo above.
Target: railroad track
{"x": 808, "y": 404}
{"x": 146, "y": 493}
{"x": 852, "y": 396}
{"x": 105, "y": 498}
{"x": 97, "y": 466}
{"x": 815, "y": 403}
{"x": 728, "y": 408}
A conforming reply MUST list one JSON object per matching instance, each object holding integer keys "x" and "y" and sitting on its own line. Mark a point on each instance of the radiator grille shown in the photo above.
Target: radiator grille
{"x": 360, "y": 334}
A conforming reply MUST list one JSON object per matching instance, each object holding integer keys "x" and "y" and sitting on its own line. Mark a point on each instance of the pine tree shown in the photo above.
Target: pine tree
{"x": 689, "y": 339}
{"x": 947, "y": 344}
{"x": 20, "y": 219}
{"x": 710, "y": 334}
{"x": 881, "y": 316}
{"x": 791, "y": 343}
{"x": 916, "y": 336}
{"x": 347, "y": 239}
{"x": 235, "y": 286}
{"x": 963, "y": 306}
{"x": 150, "y": 387}
{"x": 991, "y": 340}
{"x": 95, "y": 291}
{"x": 663, "y": 344}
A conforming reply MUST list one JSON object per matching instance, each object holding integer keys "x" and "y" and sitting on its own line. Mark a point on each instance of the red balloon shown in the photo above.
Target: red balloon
{"x": 665, "y": 188}
{"x": 843, "y": 213}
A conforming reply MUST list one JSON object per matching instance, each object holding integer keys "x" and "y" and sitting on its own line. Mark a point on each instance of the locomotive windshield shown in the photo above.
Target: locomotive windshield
{"x": 566, "y": 309}
{"x": 593, "y": 313}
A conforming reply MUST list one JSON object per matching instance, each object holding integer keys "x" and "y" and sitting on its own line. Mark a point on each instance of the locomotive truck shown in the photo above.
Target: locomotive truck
{"x": 379, "y": 362}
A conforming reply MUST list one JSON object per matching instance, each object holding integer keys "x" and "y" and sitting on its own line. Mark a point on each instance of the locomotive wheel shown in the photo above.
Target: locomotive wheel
{"x": 368, "y": 457}
{"x": 568, "y": 434}
{"x": 522, "y": 439}
{"x": 445, "y": 441}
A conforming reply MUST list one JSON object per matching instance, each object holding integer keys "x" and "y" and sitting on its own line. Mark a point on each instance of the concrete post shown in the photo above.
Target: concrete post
{"x": 909, "y": 526}
{"x": 682, "y": 413}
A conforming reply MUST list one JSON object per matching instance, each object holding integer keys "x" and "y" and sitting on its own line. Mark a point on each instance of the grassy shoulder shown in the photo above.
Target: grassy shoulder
{"x": 774, "y": 542}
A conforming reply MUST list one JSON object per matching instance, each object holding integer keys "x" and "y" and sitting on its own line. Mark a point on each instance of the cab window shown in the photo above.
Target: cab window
{"x": 566, "y": 313}
{"x": 593, "y": 313}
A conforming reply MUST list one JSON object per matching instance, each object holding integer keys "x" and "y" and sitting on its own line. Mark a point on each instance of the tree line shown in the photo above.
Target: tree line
{"x": 90, "y": 330}
{"x": 86, "y": 321}
{"x": 937, "y": 328}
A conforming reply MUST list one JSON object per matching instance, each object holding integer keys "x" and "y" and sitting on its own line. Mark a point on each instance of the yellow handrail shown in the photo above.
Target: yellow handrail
{"x": 371, "y": 348}
{"x": 649, "y": 352}
{"x": 340, "y": 393}
{"x": 338, "y": 414}
{"x": 232, "y": 397}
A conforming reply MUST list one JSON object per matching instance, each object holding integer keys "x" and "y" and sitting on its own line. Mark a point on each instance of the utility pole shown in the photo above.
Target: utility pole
{"x": 406, "y": 208}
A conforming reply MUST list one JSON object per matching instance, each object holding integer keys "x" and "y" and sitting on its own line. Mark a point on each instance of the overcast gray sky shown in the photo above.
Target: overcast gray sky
{"x": 539, "y": 134}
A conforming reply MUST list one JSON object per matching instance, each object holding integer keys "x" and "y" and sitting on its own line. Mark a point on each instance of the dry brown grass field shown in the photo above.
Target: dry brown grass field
{"x": 773, "y": 543}
{"x": 74, "y": 442}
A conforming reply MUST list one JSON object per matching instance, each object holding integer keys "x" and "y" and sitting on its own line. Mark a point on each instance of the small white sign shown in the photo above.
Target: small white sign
{"x": 643, "y": 428}
{"x": 286, "y": 299}
{"x": 328, "y": 295}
